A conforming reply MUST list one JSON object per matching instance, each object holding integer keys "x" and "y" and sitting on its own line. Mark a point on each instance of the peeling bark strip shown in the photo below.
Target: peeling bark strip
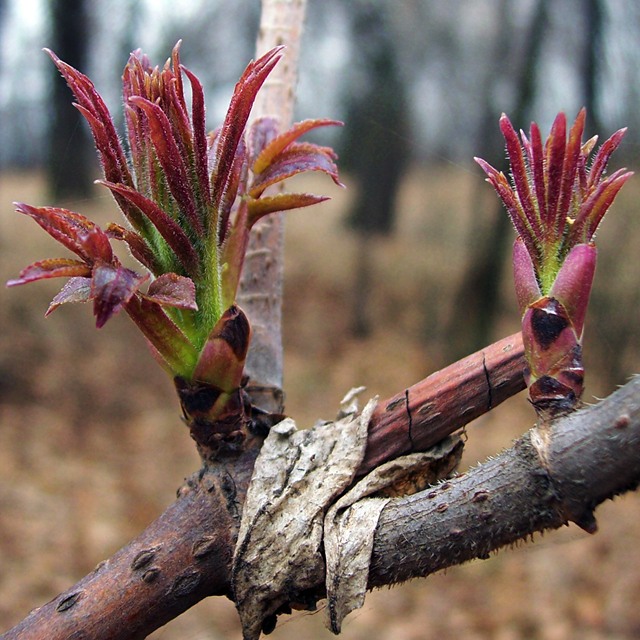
{"x": 352, "y": 520}
{"x": 298, "y": 475}
{"x": 588, "y": 457}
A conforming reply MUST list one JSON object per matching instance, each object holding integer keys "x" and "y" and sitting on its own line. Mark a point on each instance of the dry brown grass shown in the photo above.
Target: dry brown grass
{"x": 91, "y": 447}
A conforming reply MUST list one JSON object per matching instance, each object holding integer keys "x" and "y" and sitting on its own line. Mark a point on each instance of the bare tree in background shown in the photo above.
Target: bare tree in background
{"x": 375, "y": 144}
{"x": 70, "y": 157}
{"x": 592, "y": 55}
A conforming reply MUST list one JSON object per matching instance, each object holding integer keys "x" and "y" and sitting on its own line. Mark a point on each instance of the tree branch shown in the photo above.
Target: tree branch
{"x": 545, "y": 480}
{"x": 185, "y": 555}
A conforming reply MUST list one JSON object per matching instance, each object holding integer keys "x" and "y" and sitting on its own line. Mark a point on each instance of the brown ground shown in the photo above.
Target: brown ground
{"x": 91, "y": 447}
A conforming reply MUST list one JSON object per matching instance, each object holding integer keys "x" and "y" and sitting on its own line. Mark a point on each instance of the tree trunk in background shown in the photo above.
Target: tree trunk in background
{"x": 70, "y": 159}
{"x": 593, "y": 51}
{"x": 476, "y": 303}
{"x": 375, "y": 146}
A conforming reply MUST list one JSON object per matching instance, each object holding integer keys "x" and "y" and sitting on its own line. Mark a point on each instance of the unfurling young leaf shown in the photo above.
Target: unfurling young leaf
{"x": 556, "y": 201}
{"x": 189, "y": 200}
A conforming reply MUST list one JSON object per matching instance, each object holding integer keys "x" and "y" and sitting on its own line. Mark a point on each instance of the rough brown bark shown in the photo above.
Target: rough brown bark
{"x": 545, "y": 480}
{"x": 181, "y": 558}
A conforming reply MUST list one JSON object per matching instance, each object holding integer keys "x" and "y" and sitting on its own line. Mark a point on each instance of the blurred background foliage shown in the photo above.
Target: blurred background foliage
{"x": 398, "y": 275}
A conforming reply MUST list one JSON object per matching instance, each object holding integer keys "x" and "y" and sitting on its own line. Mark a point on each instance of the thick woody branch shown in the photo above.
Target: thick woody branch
{"x": 548, "y": 478}
{"x": 185, "y": 555}
{"x": 181, "y": 558}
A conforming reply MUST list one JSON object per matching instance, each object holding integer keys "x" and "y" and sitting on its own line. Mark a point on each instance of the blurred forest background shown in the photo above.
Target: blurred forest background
{"x": 398, "y": 275}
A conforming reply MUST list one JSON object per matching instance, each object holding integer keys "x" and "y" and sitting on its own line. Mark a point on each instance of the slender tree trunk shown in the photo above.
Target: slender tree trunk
{"x": 593, "y": 50}
{"x": 262, "y": 279}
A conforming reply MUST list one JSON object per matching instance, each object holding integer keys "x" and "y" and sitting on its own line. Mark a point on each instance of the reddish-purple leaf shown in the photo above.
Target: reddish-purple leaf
{"x": 173, "y": 163}
{"x": 499, "y": 182}
{"x": 95, "y": 110}
{"x": 111, "y": 288}
{"x": 276, "y": 146}
{"x": 537, "y": 170}
{"x": 75, "y": 290}
{"x": 138, "y": 246}
{"x": 554, "y": 152}
{"x": 51, "y": 268}
{"x": 237, "y": 177}
{"x": 518, "y": 170}
{"x": 260, "y": 133}
{"x": 280, "y": 202}
{"x": 95, "y": 243}
{"x": 569, "y": 169}
{"x": 602, "y": 156}
{"x": 236, "y": 119}
{"x": 299, "y": 158}
{"x": 71, "y": 229}
{"x": 199, "y": 135}
{"x": 173, "y": 290}
{"x": 593, "y": 209}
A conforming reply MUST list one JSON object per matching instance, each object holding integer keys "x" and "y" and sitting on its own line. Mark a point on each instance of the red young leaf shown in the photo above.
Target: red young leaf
{"x": 168, "y": 228}
{"x": 554, "y": 152}
{"x": 298, "y": 158}
{"x": 111, "y": 288}
{"x": 75, "y": 290}
{"x": 172, "y": 290}
{"x": 281, "y": 142}
{"x": 518, "y": 166}
{"x": 280, "y": 202}
{"x": 51, "y": 268}
{"x": 236, "y": 119}
{"x": 73, "y": 230}
{"x": 199, "y": 135}
{"x": 138, "y": 246}
{"x": 173, "y": 163}
{"x": 569, "y": 171}
{"x": 92, "y": 106}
